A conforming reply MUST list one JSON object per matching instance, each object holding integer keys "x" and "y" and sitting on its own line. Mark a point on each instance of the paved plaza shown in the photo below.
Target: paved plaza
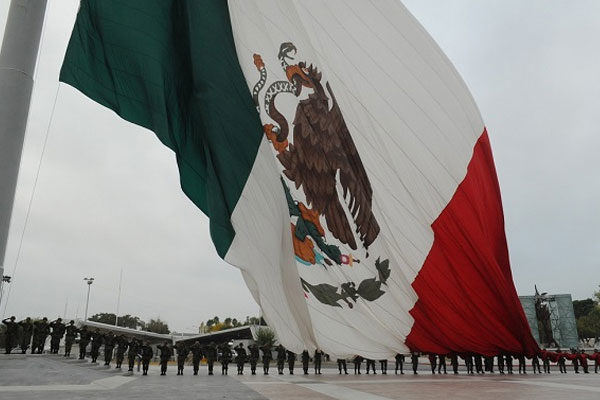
{"x": 53, "y": 377}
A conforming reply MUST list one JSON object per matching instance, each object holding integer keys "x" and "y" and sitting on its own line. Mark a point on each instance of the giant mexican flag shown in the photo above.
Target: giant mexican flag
{"x": 341, "y": 159}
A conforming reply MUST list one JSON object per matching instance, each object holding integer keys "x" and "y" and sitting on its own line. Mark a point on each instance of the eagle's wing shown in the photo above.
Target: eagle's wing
{"x": 353, "y": 177}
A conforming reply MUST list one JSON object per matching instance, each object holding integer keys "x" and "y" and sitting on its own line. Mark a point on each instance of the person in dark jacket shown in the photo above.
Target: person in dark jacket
{"x": 442, "y": 364}
{"x": 225, "y": 358}
{"x": 253, "y": 359}
{"x": 97, "y": 340}
{"x": 10, "y": 335}
{"x": 432, "y": 362}
{"x": 147, "y": 354}
{"x": 280, "y": 359}
{"x": 84, "y": 339}
{"x": 182, "y": 353}
{"x": 341, "y": 362}
{"x": 70, "y": 335}
{"x": 41, "y": 330}
{"x": 58, "y": 331}
{"x": 109, "y": 346}
{"x": 318, "y": 357}
{"x": 357, "y": 362}
{"x": 399, "y": 363}
{"x": 267, "y": 357}
{"x": 27, "y": 327}
{"x": 210, "y": 352}
{"x": 196, "y": 350}
{"x": 414, "y": 358}
{"x": 291, "y": 359}
{"x": 122, "y": 345}
{"x": 305, "y": 361}
{"x": 240, "y": 358}
{"x": 165, "y": 355}
{"x": 134, "y": 349}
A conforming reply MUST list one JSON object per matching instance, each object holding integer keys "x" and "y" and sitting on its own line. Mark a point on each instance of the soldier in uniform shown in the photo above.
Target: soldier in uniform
{"x": 122, "y": 345}
{"x": 134, "y": 348}
{"x": 240, "y": 358}
{"x": 58, "y": 331}
{"x": 225, "y": 358}
{"x": 383, "y": 365}
{"x": 182, "y": 353}
{"x": 357, "y": 362}
{"x": 97, "y": 339}
{"x": 267, "y": 357}
{"x": 70, "y": 335}
{"x": 488, "y": 362}
{"x": 280, "y": 359}
{"x": 147, "y": 354}
{"x": 509, "y": 364}
{"x": 536, "y": 364}
{"x": 468, "y": 362}
{"x": 254, "y": 356}
{"x": 10, "y": 336}
{"x": 165, "y": 355}
{"x": 596, "y": 357}
{"x": 305, "y": 361}
{"x": 414, "y": 357}
{"x": 84, "y": 340}
{"x": 478, "y": 363}
{"x": 500, "y": 358}
{"x": 433, "y": 362}
{"x": 318, "y": 357}
{"x": 40, "y": 333}
{"x": 545, "y": 360}
{"x": 442, "y": 364}
{"x": 341, "y": 362}
{"x": 370, "y": 364}
{"x": 27, "y": 327}
{"x": 561, "y": 362}
{"x": 291, "y": 359}
{"x": 399, "y": 363}
{"x": 211, "y": 355}
{"x": 196, "y": 350}
{"x": 109, "y": 346}
{"x": 454, "y": 363}
{"x": 522, "y": 368}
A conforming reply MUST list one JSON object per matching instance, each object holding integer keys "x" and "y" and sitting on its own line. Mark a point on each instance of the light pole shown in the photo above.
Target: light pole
{"x": 89, "y": 282}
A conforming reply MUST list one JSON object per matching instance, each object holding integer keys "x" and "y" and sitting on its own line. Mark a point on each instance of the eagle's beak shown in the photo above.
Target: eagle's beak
{"x": 295, "y": 73}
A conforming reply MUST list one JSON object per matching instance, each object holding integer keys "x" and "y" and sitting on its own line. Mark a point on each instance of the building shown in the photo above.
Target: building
{"x": 552, "y": 319}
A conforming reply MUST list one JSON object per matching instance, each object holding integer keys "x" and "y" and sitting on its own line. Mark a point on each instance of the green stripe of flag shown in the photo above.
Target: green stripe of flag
{"x": 171, "y": 66}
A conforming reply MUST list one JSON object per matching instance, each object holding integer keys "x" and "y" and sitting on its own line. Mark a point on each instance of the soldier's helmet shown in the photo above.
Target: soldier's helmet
{"x": 59, "y": 319}
{"x": 12, "y": 318}
{"x": 44, "y": 319}
{"x": 72, "y": 322}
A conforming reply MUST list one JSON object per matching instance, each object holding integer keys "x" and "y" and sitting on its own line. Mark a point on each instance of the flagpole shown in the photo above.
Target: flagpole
{"x": 119, "y": 298}
{"x": 18, "y": 56}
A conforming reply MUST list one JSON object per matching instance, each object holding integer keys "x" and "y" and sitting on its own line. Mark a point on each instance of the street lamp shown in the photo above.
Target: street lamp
{"x": 89, "y": 282}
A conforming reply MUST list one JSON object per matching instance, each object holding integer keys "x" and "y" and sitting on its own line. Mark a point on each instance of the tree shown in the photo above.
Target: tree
{"x": 597, "y": 295}
{"x": 588, "y": 326}
{"x": 129, "y": 321}
{"x": 583, "y": 307}
{"x": 157, "y": 326}
{"x": 105, "y": 318}
{"x": 227, "y": 322}
{"x": 265, "y": 336}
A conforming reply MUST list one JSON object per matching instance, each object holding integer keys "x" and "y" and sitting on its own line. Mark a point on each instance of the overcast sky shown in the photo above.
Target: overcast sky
{"x": 108, "y": 196}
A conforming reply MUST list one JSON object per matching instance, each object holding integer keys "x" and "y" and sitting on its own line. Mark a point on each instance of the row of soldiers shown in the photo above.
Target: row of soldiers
{"x": 34, "y": 334}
